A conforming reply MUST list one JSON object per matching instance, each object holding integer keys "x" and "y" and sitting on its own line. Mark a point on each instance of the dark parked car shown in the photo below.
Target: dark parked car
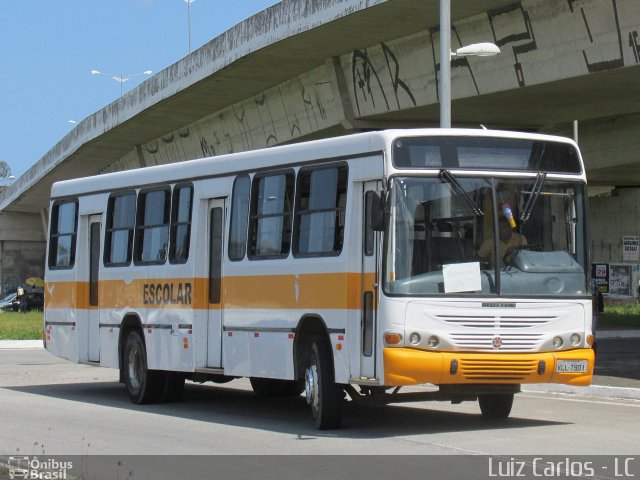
{"x": 10, "y": 303}
{"x": 7, "y": 302}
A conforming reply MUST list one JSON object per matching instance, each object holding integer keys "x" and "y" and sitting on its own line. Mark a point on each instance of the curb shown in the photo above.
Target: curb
{"x": 21, "y": 344}
{"x": 620, "y": 393}
{"x": 606, "y": 334}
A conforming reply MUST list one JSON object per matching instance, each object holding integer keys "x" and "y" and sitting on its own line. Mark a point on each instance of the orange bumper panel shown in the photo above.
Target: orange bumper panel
{"x": 407, "y": 366}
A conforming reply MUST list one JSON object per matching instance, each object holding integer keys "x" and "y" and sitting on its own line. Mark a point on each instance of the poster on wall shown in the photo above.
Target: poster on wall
{"x": 620, "y": 280}
{"x": 630, "y": 248}
{"x": 600, "y": 276}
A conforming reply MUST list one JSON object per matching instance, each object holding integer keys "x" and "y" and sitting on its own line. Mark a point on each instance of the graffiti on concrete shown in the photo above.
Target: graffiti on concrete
{"x": 367, "y": 83}
{"x": 456, "y": 63}
{"x": 516, "y": 32}
{"x": 266, "y": 120}
{"x": 283, "y": 113}
{"x": 635, "y": 46}
{"x": 541, "y": 41}
{"x": 362, "y": 70}
{"x": 393, "y": 68}
{"x": 546, "y": 39}
{"x": 608, "y": 16}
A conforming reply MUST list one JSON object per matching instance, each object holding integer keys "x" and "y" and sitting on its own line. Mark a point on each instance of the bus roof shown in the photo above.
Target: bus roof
{"x": 359, "y": 144}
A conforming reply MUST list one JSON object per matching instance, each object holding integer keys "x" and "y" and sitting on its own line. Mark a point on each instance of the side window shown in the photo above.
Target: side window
{"x": 63, "y": 232}
{"x": 369, "y": 234}
{"x": 320, "y": 211}
{"x": 271, "y": 208}
{"x": 152, "y": 226}
{"x": 181, "y": 223}
{"x": 121, "y": 215}
{"x": 239, "y": 218}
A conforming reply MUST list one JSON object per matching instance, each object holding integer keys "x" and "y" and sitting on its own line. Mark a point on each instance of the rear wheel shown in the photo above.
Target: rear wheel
{"x": 269, "y": 387}
{"x": 143, "y": 385}
{"x": 322, "y": 394}
{"x": 497, "y": 405}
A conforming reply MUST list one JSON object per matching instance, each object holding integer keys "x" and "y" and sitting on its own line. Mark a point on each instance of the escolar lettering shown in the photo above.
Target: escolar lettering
{"x": 166, "y": 294}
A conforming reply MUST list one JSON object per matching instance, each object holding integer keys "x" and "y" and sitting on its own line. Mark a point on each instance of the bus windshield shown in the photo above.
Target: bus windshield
{"x": 456, "y": 234}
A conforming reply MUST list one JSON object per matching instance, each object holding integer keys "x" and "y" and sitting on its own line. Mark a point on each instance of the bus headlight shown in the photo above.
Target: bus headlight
{"x": 433, "y": 341}
{"x": 414, "y": 338}
{"x": 557, "y": 342}
{"x": 575, "y": 339}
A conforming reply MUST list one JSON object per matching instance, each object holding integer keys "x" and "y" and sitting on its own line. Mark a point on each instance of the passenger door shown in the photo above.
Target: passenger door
{"x": 93, "y": 330}
{"x": 216, "y": 248}
{"x": 369, "y": 301}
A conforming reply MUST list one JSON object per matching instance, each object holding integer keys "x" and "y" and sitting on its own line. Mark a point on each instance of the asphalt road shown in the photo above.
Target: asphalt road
{"x": 49, "y": 406}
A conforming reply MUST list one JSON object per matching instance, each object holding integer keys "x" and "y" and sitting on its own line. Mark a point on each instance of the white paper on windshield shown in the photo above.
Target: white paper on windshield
{"x": 462, "y": 277}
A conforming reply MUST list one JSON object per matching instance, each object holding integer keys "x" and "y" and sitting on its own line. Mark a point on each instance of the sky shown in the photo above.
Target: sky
{"x": 49, "y": 47}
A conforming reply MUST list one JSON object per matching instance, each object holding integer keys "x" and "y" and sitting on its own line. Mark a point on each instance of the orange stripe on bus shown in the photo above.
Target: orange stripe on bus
{"x": 304, "y": 291}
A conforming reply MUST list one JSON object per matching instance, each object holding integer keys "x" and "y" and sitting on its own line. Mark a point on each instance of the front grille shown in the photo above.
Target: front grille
{"x": 486, "y": 341}
{"x": 498, "y": 322}
{"x": 474, "y": 369}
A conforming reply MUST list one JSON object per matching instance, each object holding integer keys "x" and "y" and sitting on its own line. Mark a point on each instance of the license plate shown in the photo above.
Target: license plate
{"x": 571, "y": 366}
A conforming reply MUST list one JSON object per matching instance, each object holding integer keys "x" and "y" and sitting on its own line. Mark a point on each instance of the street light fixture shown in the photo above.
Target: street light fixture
{"x": 121, "y": 78}
{"x": 477, "y": 49}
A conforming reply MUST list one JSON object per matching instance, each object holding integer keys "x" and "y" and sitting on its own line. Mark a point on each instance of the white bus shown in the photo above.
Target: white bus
{"x": 343, "y": 268}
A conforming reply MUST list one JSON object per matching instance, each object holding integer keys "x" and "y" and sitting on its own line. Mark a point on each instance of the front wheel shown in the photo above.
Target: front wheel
{"x": 497, "y": 405}
{"x": 322, "y": 394}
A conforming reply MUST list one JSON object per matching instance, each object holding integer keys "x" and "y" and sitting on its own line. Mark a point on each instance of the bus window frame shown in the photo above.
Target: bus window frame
{"x": 174, "y": 223}
{"x": 109, "y": 230}
{"x": 140, "y": 228}
{"x": 55, "y": 207}
{"x": 254, "y": 217}
{"x": 297, "y": 215}
{"x": 247, "y": 215}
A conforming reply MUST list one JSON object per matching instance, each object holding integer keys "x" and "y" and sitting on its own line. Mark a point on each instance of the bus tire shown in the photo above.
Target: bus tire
{"x": 496, "y": 406}
{"x": 143, "y": 385}
{"x": 322, "y": 394}
{"x": 269, "y": 387}
{"x": 174, "y": 386}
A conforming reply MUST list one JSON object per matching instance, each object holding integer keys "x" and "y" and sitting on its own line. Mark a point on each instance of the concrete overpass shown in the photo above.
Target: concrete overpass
{"x": 305, "y": 69}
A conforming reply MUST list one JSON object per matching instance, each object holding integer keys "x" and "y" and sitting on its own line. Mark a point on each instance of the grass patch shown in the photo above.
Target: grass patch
{"x": 620, "y": 317}
{"x": 21, "y": 326}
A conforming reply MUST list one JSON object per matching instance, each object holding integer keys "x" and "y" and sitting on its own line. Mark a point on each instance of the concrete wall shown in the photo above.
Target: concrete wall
{"x": 612, "y": 216}
{"x": 22, "y": 249}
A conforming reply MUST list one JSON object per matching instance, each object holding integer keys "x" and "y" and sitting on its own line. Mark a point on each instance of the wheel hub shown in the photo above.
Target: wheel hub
{"x": 311, "y": 386}
{"x": 135, "y": 368}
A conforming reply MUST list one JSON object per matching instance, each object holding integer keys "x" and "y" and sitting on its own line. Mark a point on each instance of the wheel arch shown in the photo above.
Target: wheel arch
{"x": 310, "y": 327}
{"x": 130, "y": 322}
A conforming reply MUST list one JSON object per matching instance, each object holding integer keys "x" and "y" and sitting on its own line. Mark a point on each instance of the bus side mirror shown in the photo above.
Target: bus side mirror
{"x": 375, "y": 210}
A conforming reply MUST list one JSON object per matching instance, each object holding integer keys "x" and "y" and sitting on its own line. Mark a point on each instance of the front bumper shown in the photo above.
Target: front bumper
{"x": 408, "y": 366}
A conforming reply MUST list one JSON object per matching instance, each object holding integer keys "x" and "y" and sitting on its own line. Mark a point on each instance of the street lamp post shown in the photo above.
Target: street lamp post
{"x": 121, "y": 78}
{"x": 189, "y": 2}
{"x": 476, "y": 49}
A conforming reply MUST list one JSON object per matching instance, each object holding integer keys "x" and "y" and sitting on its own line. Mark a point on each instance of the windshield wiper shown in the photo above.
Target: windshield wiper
{"x": 536, "y": 188}
{"x": 448, "y": 177}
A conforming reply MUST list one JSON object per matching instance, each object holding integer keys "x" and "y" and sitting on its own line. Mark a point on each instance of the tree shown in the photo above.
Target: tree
{"x": 5, "y": 169}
